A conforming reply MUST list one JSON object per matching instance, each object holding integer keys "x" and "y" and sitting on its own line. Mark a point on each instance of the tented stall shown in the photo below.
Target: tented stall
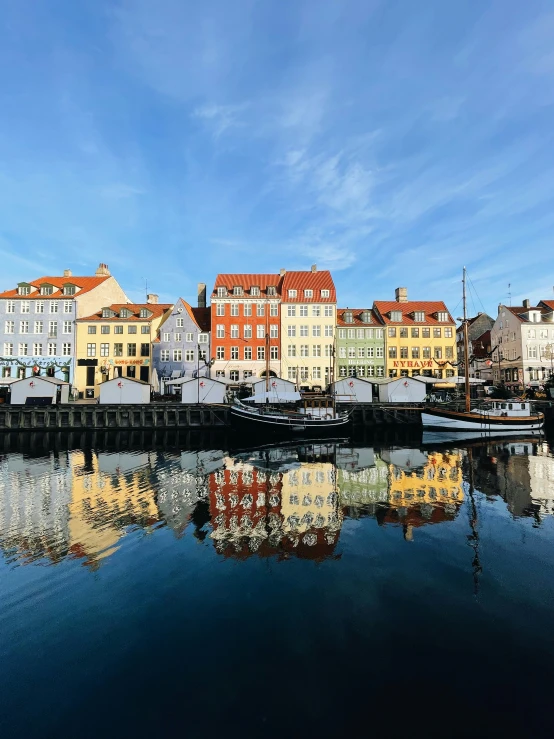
{"x": 277, "y": 386}
{"x": 402, "y": 390}
{"x": 39, "y": 391}
{"x": 200, "y": 390}
{"x": 352, "y": 390}
{"x": 124, "y": 391}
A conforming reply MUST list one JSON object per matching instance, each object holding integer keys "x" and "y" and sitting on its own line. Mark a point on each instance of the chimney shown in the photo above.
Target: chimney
{"x": 201, "y": 294}
{"x": 67, "y": 273}
{"x": 526, "y": 303}
{"x": 401, "y": 294}
{"x": 152, "y": 298}
{"x": 314, "y": 267}
{"x": 282, "y": 272}
{"x": 102, "y": 270}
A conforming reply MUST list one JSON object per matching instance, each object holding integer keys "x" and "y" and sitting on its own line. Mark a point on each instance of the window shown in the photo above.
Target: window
{"x": 220, "y": 331}
{"x": 189, "y": 355}
{"x": 426, "y": 333}
{"x": 403, "y": 352}
{"x": 260, "y": 309}
{"x": 448, "y": 332}
{"x": 274, "y": 332}
{"x": 415, "y": 352}
{"x": 90, "y": 329}
{"x": 220, "y": 309}
{"x": 234, "y": 309}
{"x": 392, "y": 352}
{"x": 261, "y": 352}
{"x": 221, "y": 292}
{"x": 220, "y": 352}
{"x": 8, "y": 349}
{"x": 248, "y": 352}
{"x": 342, "y": 333}
{"x": 24, "y": 327}
{"x": 164, "y": 355}
{"x": 39, "y": 306}
{"x": 342, "y": 352}
{"x": 91, "y": 350}
{"x": 106, "y": 313}
{"x": 166, "y": 336}
{"x": 23, "y": 350}
{"x": 304, "y": 330}
{"x": 532, "y": 352}
{"x": 52, "y": 328}
{"x": 273, "y": 352}
{"x": 234, "y": 352}
{"x": 66, "y": 349}
{"x": 380, "y": 371}
{"x": 255, "y": 291}
{"x": 361, "y": 352}
{"x": 10, "y": 306}
{"x": 442, "y": 317}
{"x": 131, "y": 350}
{"x": 325, "y": 294}
{"x": 371, "y": 371}
{"x": 292, "y": 293}
{"x": 379, "y": 352}
{"x": 237, "y": 290}
{"x": 260, "y": 331}
{"x": 351, "y": 333}
{"x": 104, "y": 350}
{"x": 118, "y": 329}
{"x": 177, "y": 355}
{"x": 248, "y": 331}
{"x": 359, "y": 333}
{"x": 66, "y": 327}
{"x": 316, "y": 331}
{"x": 145, "y": 329}
{"x": 316, "y": 373}
{"x": 426, "y": 352}
{"x": 179, "y": 323}
{"x": 370, "y": 352}
{"x": 291, "y": 350}
{"x": 143, "y": 313}
{"x": 403, "y": 333}
{"x": 308, "y": 293}
{"x": 105, "y": 329}
{"x": 291, "y": 311}
{"x": 419, "y": 316}
{"x": 234, "y": 331}
{"x": 532, "y": 333}
{"x": 449, "y": 352}
{"x": 145, "y": 350}
{"x": 291, "y": 374}
{"x": 52, "y": 350}
{"x": 329, "y": 330}
{"x": 436, "y": 333}
{"x": 391, "y": 332}
{"x": 316, "y": 350}
{"x": 177, "y": 336}
{"x": 220, "y": 374}
{"x": 328, "y": 311}
{"x": 304, "y": 373}
{"x": 303, "y": 311}
{"x": 438, "y": 352}
{"x": 234, "y": 375}
{"x": 37, "y": 350}
{"x": 342, "y": 371}
{"x": 67, "y": 306}
{"x": 52, "y": 306}
{"x": 291, "y": 331}
{"x": 304, "y": 350}
{"x": 202, "y": 338}
{"x": 274, "y": 309}
{"x": 246, "y": 374}
{"x": 247, "y": 309}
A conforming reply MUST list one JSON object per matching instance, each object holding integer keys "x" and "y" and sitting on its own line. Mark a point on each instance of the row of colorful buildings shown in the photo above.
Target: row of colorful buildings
{"x": 85, "y": 330}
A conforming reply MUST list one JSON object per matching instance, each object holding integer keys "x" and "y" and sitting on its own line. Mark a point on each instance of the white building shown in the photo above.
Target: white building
{"x": 39, "y": 391}
{"x": 524, "y": 340}
{"x": 352, "y": 390}
{"x": 200, "y": 390}
{"x": 123, "y": 391}
{"x": 402, "y": 390}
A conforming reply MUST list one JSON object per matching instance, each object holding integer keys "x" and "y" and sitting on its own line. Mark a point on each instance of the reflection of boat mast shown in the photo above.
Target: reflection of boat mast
{"x": 473, "y": 538}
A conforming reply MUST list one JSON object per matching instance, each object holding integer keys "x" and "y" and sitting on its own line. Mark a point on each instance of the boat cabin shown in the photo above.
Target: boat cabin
{"x": 509, "y": 408}
{"x": 317, "y": 407}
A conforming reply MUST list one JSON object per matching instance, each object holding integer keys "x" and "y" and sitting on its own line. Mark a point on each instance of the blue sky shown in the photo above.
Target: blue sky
{"x": 390, "y": 141}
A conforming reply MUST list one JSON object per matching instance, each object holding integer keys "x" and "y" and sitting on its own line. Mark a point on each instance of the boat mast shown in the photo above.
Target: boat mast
{"x": 267, "y": 350}
{"x": 466, "y": 347}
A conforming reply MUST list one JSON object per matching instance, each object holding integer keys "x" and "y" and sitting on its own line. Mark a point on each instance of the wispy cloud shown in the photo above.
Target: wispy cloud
{"x": 220, "y": 118}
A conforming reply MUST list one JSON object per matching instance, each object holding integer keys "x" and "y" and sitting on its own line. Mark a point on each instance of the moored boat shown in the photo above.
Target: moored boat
{"x": 314, "y": 415}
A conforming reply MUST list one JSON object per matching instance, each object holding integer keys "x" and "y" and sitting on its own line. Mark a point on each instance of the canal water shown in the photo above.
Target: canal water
{"x": 175, "y": 586}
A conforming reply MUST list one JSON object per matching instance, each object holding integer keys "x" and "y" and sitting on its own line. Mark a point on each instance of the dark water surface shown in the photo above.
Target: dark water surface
{"x": 374, "y": 588}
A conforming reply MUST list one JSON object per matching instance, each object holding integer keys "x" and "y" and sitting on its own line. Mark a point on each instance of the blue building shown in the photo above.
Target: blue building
{"x": 182, "y": 348}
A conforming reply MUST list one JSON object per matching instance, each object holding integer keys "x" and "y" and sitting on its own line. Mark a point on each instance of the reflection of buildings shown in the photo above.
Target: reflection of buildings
{"x": 423, "y": 488}
{"x": 362, "y": 481}
{"x": 277, "y": 505}
{"x": 541, "y": 472}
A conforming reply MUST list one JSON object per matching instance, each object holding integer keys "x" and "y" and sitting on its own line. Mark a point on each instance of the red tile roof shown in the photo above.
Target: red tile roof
{"x": 520, "y": 310}
{"x": 548, "y": 304}
{"x": 246, "y": 281}
{"x": 356, "y": 315}
{"x": 308, "y": 280}
{"x": 85, "y": 283}
{"x": 157, "y": 309}
{"x": 383, "y": 307}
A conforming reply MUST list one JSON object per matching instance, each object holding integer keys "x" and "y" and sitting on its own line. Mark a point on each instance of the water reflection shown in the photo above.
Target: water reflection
{"x": 283, "y": 502}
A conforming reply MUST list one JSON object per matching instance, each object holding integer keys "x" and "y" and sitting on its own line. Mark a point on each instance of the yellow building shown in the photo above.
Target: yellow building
{"x": 420, "y": 337}
{"x": 117, "y": 342}
{"x": 308, "y": 319}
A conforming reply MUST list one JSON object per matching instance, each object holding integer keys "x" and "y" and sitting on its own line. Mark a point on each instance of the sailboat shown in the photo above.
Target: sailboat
{"x": 498, "y": 417}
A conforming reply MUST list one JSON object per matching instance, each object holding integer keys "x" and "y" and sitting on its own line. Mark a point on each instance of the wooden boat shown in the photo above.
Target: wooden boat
{"x": 499, "y": 416}
{"x": 311, "y": 416}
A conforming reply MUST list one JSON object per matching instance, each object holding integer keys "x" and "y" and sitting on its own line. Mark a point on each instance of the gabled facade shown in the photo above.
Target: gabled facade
{"x": 524, "y": 338}
{"x": 479, "y": 335}
{"x": 38, "y": 321}
{"x": 308, "y": 323}
{"x": 182, "y": 346}
{"x": 245, "y": 326}
{"x": 115, "y": 342}
{"x": 420, "y": 337}
{"x": 360, "y": 346}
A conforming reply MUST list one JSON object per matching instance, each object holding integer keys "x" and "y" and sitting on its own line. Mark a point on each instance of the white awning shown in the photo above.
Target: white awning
{"x": 284, "y": 397}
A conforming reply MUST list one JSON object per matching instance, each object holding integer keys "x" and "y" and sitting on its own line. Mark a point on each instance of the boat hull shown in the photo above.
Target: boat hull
{"x": 459, "y": 421}
{"x": 260, "y": 423}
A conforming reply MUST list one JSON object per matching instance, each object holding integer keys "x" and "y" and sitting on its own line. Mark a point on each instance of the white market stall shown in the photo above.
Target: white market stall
{"x": 39, "y": 391}
{"x": 277, "y": 386}
{"x": 200, "y": 390}
{"x": 402, "y": 390}
{"x": 352, "y": 390}
{"x": 124, "y": 391}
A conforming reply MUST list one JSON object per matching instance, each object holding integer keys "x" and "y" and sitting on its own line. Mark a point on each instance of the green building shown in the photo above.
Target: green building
{"x": 360, "y": 350}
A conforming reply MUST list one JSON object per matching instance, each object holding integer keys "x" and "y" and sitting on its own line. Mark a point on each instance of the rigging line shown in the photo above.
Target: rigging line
{"x": 472, "y": 296}
{"x": 477, "y": 294}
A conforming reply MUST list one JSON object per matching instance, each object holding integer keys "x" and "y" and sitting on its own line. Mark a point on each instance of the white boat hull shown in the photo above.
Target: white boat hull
{"x": 488, "y": 424}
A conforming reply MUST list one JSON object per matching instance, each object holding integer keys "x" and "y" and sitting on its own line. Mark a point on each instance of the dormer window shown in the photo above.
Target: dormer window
{"x": 292, "y": 293}
{"x": 419, "y": 316}
{"x": 325, "y": 293}
{"x": 348, "y": 318}
{"x": 106, "y": 313}
{"x": 46, "y": 289}
{"x": 145, "y": 313}
{"x": 237, "y": 290}
{"x": 69, "y": 289}
{"x": 24, "y": 290}
{"x": 221, "y": 292}
{"x": 442, "y": 317}
{"x": 534, "y": 316}
{"x": 308, "y": 293}
{"x": 366, "y": 316}
{"x": 271, "y": 290}
{"x": 396, "y": 316}
{"x": 255, "y": 291}
{"x": 124, "y": 313}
